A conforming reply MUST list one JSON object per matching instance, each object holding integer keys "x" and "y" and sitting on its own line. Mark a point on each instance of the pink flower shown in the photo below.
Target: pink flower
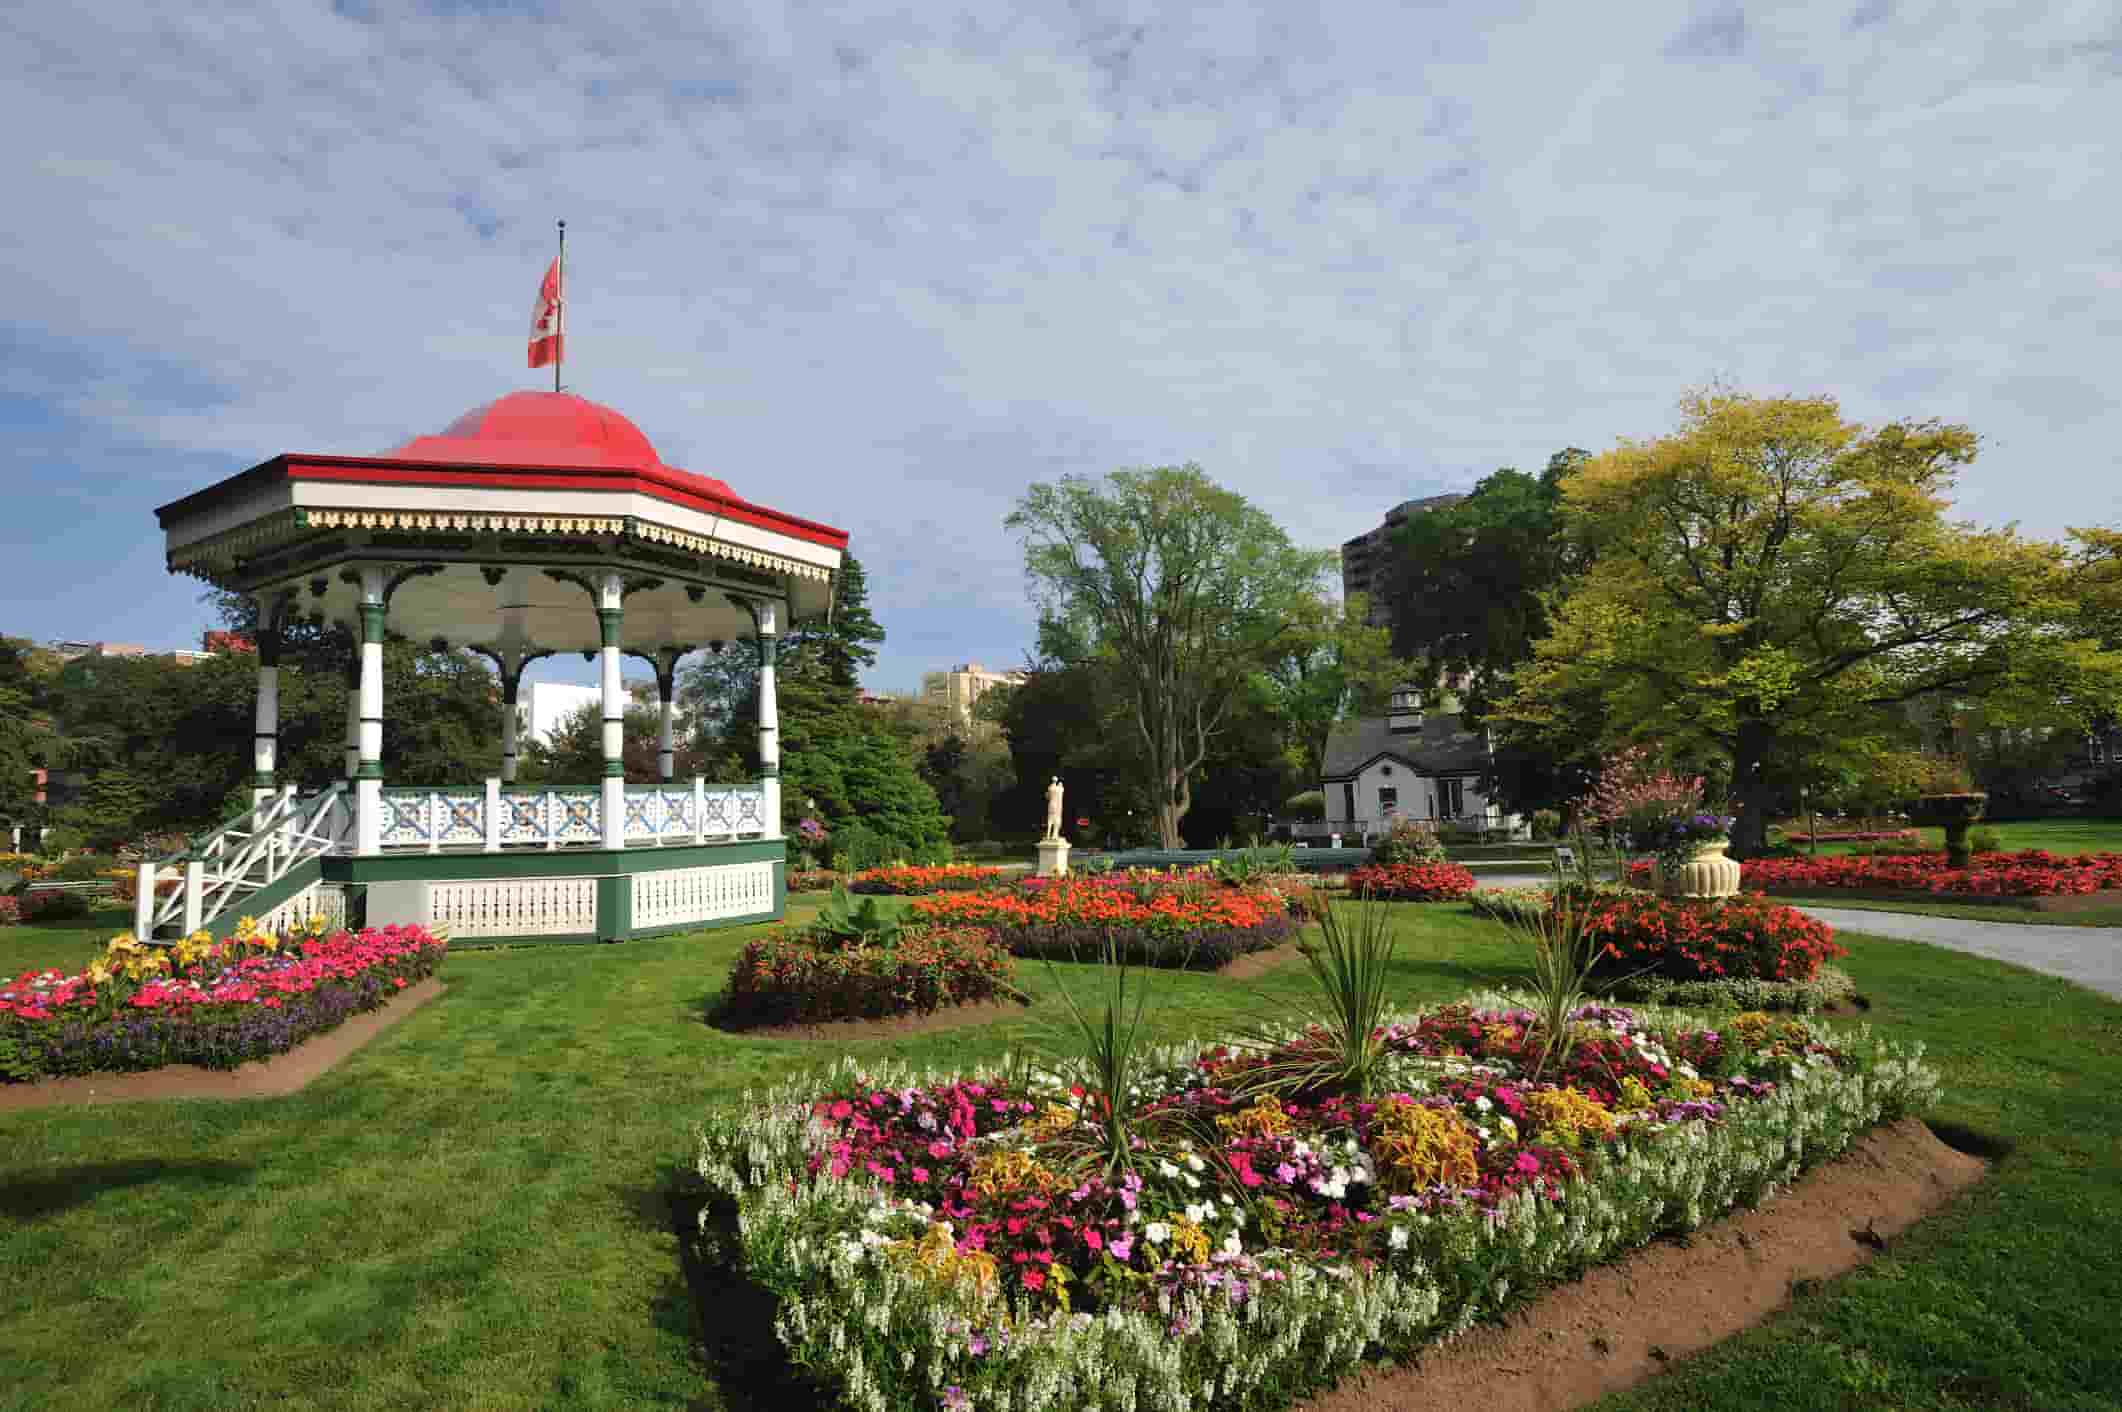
{"x": 1527, "y": 1162}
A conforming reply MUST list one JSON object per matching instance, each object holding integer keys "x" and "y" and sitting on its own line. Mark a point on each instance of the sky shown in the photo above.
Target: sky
{"x": 886, "y": 266}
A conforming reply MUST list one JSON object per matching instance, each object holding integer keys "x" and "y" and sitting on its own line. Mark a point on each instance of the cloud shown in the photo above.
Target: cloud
{"x": 884, "y": 265}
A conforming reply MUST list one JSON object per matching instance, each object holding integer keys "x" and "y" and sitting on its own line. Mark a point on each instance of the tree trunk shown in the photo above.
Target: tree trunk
{"x": 1751, "y": 798}
{"x": 1178, "y": 798}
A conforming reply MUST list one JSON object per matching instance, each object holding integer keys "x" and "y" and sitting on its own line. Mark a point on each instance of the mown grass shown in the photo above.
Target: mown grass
{"x": 470, "y": 1212}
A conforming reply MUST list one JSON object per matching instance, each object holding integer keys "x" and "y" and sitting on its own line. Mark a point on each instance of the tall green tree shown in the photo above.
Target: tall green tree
{"x": 1334, "y": 664}
{"x": 1184, "y": 587}
{"x": 1774, "y": 584}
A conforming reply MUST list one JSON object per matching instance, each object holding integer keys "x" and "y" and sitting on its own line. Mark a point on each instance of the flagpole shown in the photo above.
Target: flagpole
{"x": 560, "y": 314}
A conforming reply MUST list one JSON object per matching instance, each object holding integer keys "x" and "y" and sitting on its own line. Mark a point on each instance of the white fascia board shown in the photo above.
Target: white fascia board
{"x": 494, "y": 500}
{"x": 234, "y": 514}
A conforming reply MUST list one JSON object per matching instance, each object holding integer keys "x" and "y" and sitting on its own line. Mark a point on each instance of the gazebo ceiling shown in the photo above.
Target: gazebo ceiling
{"x": 544, "y": 479}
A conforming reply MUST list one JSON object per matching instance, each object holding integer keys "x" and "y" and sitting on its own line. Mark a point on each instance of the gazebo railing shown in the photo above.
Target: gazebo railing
{"x": 500, "y": 816}
{"x": 250, "y": 852}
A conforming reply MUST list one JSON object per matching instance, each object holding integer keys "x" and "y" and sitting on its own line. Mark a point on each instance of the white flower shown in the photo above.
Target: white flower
{"x": 1193, "y": 1163}
{"x": 1157, "y": 1232}
{"x": 1483, "y": 1104}
{"x": 1166, "y": 1169}
{"x": 1398, "y": 1239}
{"x": 1230, "y": 1244}
{"x": 1197, "y": 1212}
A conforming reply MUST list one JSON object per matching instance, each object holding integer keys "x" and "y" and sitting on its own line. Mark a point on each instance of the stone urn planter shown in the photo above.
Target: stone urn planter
{"x": 1708, "y": 873}
{"x": 1956, "y": 814}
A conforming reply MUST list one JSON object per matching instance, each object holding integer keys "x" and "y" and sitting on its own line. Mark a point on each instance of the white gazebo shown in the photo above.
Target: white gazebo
{"x": 537, "y": 524}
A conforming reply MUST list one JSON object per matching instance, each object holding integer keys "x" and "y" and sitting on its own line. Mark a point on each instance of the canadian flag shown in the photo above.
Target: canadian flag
{"x": 545, "y": 320}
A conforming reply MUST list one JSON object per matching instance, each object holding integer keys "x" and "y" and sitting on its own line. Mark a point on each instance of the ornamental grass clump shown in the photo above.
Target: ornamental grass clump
{"x": 1099, "y": 1052}
{"x": 1563, "y": 952}
{"x": 1351, "y": 970}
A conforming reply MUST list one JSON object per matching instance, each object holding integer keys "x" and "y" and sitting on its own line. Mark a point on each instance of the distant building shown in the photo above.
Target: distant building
{"x": 1410, "y": 763}
{"x": 963, "y": 685}
{"x": 550, "y": 703}
{"x": 68, "y": 651}
{"x": 1364, "y": 558}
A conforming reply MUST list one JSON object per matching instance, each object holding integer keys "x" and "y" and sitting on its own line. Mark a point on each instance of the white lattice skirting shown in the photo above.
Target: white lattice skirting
{"x": 325, "y": 899}
{"x": 515, "y": 907}
{"x": 681, "y": 896}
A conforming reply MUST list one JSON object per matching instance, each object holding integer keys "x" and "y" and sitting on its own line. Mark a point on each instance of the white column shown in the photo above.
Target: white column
{"x": 699, "y": 808}
{"x": 194, "y": 895}
{"x": 769, "y": 722}
{"x": 144, "y": 904}
{"x": 493, "y": 814}
{"x": 666, "y": 740}
{"x": 265, "y": 730}
{"x": 368, "y": 783}
{"x": 610, "y": 600}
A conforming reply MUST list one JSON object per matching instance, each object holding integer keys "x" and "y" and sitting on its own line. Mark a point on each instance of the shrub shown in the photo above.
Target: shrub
{"x": 1546, "y": 824}
{"x": 84, "y": 867}
{"x": 1984, "y": 841}
{"x": 1680, "y": 938}
{"x": 1309, "y": 805}
{"x": 1151, "y": 919}
{"x": 812, "y": 879}
{"x": 53, "y": 905}
{"x": 1412, "y": 882}
{"x": 1408, "y": 841}
{"x": 1830, "y": 985}
{"x": 10, "y": 910}
{"x": 923, "y": 881}
{"x": 215, "y": 1004}
{"x": 788, "y": 977}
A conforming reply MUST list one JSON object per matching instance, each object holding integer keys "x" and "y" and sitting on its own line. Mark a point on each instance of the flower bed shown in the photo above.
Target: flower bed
{"x": 2035, "y": 873}
{"x": 812, "y": 879}
{"x": 941, "y": 1240}
{"x": 1412, "y": 882}
{"x": 1829, "y": 985}
{"x": 793, "y": 977}
{"x": 1692, "y": 939}
{"x": 10, "y": 910}
{"x": 924, "y": 882}
{"x": 214, "y": 1004}
{"x": 1150, "y": 921}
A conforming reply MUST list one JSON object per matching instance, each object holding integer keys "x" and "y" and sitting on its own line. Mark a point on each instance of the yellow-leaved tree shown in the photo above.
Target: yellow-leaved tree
{"x": 1770, "y": 585}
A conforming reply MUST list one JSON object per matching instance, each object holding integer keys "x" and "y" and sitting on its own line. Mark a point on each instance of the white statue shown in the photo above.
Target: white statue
{"x": 1053, "y": 808}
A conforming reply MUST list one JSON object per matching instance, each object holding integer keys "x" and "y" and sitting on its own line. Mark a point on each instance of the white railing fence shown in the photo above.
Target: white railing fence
{"x": 252, "y": 851}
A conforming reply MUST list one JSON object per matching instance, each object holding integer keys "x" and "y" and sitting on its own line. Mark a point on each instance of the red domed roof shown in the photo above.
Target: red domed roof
{"x": 546, "y": 429}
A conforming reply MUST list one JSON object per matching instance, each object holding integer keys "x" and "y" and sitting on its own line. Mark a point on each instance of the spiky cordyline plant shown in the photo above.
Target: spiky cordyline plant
{"x": 1564, "y": 952}
{"x": 1101, "y": 1052}
{"x": 1350, "y": 964}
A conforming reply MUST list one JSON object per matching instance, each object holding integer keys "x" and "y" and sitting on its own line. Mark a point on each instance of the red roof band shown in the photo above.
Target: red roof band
{"x": 529, "y": 441}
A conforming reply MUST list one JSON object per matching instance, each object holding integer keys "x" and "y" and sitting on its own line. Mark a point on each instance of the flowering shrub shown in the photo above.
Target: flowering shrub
{"x": 1408, "y": 841}
{"x": 53, "y": 905}
{"x": 937, "y": 1239}
{"x": 1641, "y": 801}
{"x": 908, "y": 881}
{"x": 790, "y": 977}
{"x": 2035, "y": 873}
{"x": 10, "y": 910}
{"x": 1679, "y": 938}
{"x": 215, "y": 1004}
{"x": 1411, "y": 882}
{"x": 1151, "y": 919}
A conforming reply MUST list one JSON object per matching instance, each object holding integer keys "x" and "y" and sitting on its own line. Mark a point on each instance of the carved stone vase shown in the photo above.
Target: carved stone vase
{"x": 1707, "y": 874}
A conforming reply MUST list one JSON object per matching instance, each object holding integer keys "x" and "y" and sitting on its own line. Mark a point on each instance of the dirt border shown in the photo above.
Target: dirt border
{"x": 1623, "y": 1322}
{"x": 1254, "y": 964}
{"x": 267, "y": 1078}
{"x": 948, "y": 1017}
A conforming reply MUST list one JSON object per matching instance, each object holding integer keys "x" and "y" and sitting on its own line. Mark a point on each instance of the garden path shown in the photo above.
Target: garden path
{"x": 2088, "y": 956}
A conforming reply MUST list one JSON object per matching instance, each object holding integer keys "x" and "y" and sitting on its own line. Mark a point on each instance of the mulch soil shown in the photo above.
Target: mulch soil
{"x": 267, "y": 1078}
{"x": 1629, "y": 1321}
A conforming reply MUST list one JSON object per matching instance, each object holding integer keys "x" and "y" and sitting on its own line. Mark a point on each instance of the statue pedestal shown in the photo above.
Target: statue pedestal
{"x": 1053, "y": 858}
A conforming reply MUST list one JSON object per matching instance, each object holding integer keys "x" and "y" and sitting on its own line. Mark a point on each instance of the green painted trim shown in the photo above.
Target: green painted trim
{"x": 614, "y": 769}
{"x": 370, "y": 770}
{"x": 769, "y": 772}
{"x": 716, "y": 925}
{"x": 557, "y": 863}
{"x": 609, "y": 621}
{"x": 371, "y": 623}
{"x": 266, "y": 898}
{"x": 769, "y": 650}
{"x": 615, "y": 907}
{"x": 263, "y": 779}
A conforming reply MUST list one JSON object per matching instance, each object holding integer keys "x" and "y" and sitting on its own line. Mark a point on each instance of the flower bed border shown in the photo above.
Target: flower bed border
{"x": 1830, "y": 985}
{"x": 290, "y": 1071}
{"x": 892, "y": 1339}
{"x": 1203, "y": 949}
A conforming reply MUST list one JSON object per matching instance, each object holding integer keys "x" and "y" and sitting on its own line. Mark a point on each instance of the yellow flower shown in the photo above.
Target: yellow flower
{"x": 1750, "y": 1029}
{"x": 1569, "y": 1116}
{"x": 937, "y": 1256}
{"x": 1423, "y": 1146}
{"x": 1190, "y": 1240}
{"x": 1264, "y": 1119}
{"x": 98, "y": 973}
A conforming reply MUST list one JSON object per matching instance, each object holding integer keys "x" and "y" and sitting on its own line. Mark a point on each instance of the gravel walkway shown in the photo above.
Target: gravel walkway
{"x": 2090, "y": 956}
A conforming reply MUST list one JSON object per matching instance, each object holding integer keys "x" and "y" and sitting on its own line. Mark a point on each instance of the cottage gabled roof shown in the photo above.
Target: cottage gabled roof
{"x": 1441, "y": 746}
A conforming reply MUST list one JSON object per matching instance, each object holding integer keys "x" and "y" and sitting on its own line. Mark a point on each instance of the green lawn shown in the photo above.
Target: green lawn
{"x": 469, "y": 1213}
{"x": 61, "y": 946}
{"x": 2055, "y": 835}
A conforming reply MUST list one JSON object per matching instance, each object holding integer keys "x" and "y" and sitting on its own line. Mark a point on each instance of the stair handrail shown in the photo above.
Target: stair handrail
{"x": 271, "y": 831}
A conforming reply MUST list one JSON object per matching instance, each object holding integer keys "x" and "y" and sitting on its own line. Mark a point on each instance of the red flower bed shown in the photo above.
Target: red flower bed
{"x": 1151, "y": 921}
{"x": 923, "y": 882}
{"x": 215, "y": 1004}
{"x": 1739, "y": 938}
{"x": 1411, "y": 882}
{"x": 2035, "y": 873}
{"x": 788, "y": 977}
